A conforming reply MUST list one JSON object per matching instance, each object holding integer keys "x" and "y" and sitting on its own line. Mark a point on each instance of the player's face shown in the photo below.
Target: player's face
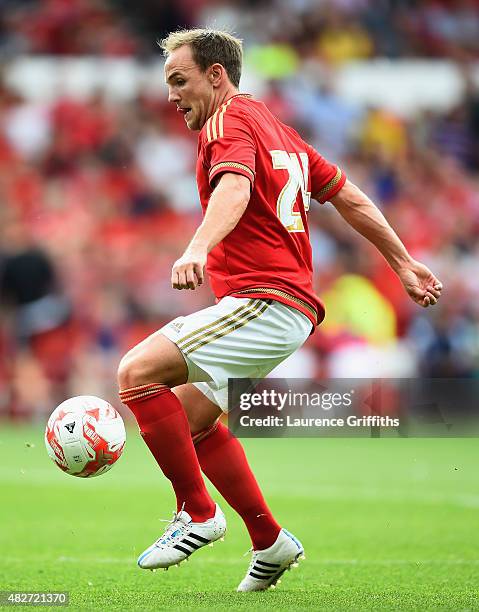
{"x": 189, "y": 87}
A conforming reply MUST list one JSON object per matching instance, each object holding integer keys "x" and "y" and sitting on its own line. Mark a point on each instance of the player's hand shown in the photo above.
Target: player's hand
{"x": 188, "y": 270}
{"x": 421, "y": 284}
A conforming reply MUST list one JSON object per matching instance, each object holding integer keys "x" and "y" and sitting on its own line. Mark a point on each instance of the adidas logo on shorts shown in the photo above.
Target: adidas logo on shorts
{"x": 177, "y": 325}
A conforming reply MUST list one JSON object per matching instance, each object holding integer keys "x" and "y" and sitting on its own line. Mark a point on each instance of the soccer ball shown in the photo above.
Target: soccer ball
{"x": 85, "y": 436}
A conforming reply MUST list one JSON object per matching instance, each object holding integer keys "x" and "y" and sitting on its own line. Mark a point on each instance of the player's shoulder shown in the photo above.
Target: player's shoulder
{"x": 266, "y": 121}
{"x": 236, "y": 112}
{"x": 242, "y": 113}
{"x": 247, "y": 107}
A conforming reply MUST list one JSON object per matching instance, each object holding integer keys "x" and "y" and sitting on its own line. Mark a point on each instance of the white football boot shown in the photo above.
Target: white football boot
{"x": 268, "y": 565}
{"x": 182, "y": 538}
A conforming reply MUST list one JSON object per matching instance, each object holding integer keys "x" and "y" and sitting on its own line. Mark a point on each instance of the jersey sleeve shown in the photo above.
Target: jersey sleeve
{"x": 229, "y": 145}
{"x": 326, "y": 178}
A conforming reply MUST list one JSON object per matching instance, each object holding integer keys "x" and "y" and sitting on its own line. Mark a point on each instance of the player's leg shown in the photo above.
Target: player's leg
{"x": 202, "y": 413}
{"x": 242, "y": 337}
{"x": 145, "y": 376}
{"x": 223, "y": 461}
{"x": 249, "y": 345}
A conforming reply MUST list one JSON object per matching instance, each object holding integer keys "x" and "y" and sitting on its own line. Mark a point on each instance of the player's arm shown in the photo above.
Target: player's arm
{"x": 360, "y": 212}
{"x": 225, "y": 208}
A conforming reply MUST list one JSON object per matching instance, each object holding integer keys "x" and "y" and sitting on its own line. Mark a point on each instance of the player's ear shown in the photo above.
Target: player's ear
{"x": 215, "y": 74}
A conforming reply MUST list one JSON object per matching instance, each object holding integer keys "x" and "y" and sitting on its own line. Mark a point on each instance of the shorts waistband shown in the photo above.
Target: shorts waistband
{"x": 281, "y": 293}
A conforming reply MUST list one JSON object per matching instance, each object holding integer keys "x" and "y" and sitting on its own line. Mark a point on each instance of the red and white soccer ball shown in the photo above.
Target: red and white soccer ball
{"x": 85, "y": 436}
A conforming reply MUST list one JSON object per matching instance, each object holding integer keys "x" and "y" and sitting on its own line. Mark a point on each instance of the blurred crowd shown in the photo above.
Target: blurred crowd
{"x": 98, "y": 198}
{"x": 331, "y": 30}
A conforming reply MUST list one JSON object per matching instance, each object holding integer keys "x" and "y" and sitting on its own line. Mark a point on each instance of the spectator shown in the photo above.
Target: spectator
{"x": 98, "y": 196}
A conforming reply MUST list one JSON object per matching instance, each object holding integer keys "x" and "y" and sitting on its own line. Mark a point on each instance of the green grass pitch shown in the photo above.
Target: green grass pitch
{"x": 387, "y": 524}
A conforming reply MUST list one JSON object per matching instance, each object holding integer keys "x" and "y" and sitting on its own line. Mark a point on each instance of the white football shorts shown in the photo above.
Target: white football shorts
{"x": 236, "y": 338}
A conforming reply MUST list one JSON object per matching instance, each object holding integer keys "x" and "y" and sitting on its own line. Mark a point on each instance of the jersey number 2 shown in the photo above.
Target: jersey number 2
{"x": 297, "y": 166}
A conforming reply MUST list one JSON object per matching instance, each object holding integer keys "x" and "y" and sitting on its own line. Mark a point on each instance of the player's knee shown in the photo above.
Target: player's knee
{"x": 133, "y": 371}
{"x": 201, "y": 423}
{"x": 196, "y": 424}
{"x": 141, "y": 368}
{"x": 157, "y": 360}
{"x": 199, "y": 433}
{"x": 125, "y": 373}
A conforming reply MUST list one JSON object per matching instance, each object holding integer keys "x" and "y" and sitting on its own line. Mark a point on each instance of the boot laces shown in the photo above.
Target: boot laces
{"x": 174, "y": 530}
{"x": 254, "y": 556}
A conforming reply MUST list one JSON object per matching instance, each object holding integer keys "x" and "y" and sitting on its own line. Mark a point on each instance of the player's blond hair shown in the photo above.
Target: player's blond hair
{"x": 209, "y": 47}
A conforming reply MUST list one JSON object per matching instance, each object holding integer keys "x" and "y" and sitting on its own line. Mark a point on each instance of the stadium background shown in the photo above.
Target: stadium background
{"x": 98, "y": 195}
{"x": 98, "y": 198}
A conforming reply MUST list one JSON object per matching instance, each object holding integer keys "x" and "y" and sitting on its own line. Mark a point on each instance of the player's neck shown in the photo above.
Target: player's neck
{"x": 225, "y": 95}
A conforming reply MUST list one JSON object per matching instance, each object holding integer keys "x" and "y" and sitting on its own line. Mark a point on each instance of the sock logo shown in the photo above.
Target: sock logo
{"x": 70, "y": 427}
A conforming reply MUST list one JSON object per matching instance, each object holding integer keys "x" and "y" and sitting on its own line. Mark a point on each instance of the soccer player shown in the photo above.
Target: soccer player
{"x": 255, "y": 177}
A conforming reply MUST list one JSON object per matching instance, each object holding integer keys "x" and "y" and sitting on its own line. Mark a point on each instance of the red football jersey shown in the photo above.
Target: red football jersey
{"x": 268, "y": 254}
